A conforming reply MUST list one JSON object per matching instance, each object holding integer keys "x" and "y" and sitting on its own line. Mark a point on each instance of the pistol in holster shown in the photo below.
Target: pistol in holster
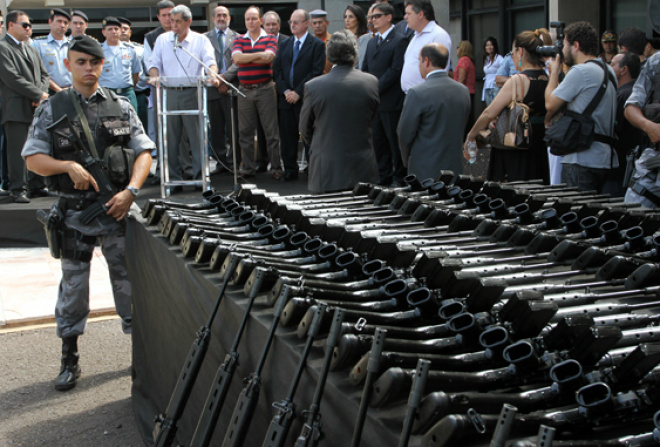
{"x": 53, "y": 222}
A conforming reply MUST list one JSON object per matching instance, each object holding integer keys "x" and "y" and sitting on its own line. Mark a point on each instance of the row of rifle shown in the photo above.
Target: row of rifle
{"x": 498, "y": 310}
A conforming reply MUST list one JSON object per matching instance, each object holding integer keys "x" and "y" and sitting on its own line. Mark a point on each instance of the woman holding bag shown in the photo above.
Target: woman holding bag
{"x": 512, "y": 165}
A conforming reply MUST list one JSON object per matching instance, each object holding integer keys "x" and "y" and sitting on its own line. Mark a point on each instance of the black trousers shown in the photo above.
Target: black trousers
{"x": 221, "y": 129}
{"x": 16, "y": 134}
{"x": 386, "y": 147}
{"x": 289, "y": 135}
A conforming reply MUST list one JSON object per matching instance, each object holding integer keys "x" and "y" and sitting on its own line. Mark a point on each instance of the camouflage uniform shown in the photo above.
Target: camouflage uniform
{"x": 72, "y": 308}
{"x": 644, "y": 186}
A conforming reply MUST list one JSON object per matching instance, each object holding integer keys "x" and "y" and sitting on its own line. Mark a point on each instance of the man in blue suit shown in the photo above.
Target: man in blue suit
{"x": 299, "y": 59}
{"x": 384, "y": 59}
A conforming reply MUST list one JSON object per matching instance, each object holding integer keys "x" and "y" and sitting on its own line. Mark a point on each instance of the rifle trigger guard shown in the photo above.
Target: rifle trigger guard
{"x": 360, "y": 324}
{"x": 476, "y": 420}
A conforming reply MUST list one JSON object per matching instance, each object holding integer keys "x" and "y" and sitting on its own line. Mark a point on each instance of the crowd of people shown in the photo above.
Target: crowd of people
{"x": 272, "y": 71}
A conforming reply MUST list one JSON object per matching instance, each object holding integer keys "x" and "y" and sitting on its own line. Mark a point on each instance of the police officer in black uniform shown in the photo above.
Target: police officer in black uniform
{"x": 97, "y": 182}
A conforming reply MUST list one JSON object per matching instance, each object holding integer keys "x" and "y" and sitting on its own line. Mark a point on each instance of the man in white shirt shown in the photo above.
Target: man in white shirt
{"x": 167, "y": 60}
{"x": 421, "y": 18}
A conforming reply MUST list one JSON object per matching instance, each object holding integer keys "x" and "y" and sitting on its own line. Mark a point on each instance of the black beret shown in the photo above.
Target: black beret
{"x": 111, "y": 21}
{"x": 82, "y": 15}
{"x": 60, "y": 12}
{"x": 124, "y": 20}
{"x": 87, "y": 45}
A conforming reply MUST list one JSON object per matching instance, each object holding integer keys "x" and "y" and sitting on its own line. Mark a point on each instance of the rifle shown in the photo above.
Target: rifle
{"x": 106, "y": 189}
{"x": 281, "y": 423}
{"x": 311, "y": 430}
{"x": 417, "y": 389}
{"x": 373, "y": 368}
{"x": 247, "y": 401}
{"x": 218, "y": 392}
{"x": 165, "y": 427}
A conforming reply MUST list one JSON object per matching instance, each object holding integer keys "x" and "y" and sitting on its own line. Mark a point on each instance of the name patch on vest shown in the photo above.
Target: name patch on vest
{"x": 120, "y": 131}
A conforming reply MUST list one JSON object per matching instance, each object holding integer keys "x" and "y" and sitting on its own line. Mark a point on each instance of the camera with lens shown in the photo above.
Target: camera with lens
{"x": 556, "y": 49}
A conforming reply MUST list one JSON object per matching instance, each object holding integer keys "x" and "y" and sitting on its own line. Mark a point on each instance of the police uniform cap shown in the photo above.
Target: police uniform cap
{"x": 124, "y": 21}
{"x": 111, "y": 21}
{"x": 60, "y": 12}
{"x": 318, "y": 13}
{"x": 87, "y": 45}
{"x": 82, "y": 15}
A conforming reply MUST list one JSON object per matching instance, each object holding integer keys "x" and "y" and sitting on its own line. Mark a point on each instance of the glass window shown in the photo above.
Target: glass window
{"x": 627, "y": 13}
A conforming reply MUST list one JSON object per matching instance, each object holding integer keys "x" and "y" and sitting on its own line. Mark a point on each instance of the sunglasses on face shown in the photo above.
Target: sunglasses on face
{"x": 375, "y": 16}
{"x": 25, "y": 25}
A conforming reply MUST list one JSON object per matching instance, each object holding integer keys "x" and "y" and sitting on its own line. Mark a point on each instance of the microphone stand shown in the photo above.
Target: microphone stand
{"x": 234, "y": 92}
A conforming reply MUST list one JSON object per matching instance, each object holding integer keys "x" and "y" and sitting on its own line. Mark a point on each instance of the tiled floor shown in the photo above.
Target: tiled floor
{"x": 29, "y": 281}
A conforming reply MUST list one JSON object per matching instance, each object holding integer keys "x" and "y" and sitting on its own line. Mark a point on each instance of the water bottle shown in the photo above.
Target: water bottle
{"x": 472, "y": 150}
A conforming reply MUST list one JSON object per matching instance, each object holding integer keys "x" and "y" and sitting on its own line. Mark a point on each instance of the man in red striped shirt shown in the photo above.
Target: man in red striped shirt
{"x": 253, "y": 53}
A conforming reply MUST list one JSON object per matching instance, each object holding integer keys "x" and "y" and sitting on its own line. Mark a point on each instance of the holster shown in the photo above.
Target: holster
{"x": 53, "y": 222}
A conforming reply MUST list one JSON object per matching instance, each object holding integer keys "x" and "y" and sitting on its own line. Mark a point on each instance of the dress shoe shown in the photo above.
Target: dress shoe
{"x": 34, "y": 193}
{"x": 277, "y": 175}
{"x": 289, "y": 177}
{"x": 21, "y": 197}
{"x": 4, "y": 193}
{"x": 262, "y": 168}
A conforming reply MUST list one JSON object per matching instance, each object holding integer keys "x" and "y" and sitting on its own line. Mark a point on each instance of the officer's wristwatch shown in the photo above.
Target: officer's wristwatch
{"x": 135, "y": 191}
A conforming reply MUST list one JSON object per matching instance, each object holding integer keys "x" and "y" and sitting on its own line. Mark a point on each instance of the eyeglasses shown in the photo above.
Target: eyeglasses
{"x": 25, "y": 25}
{"x": 375, "y": 16}
{"x": 296, "y": 22}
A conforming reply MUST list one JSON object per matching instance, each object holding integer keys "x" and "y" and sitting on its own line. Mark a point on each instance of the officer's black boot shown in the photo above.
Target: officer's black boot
{"x": 70, "y": 370}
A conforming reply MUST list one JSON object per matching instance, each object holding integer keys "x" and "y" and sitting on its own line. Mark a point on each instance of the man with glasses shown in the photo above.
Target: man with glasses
{"x": 218, "y": 102}
{"x": 169, "y": 60}
{"x": 53, "y": 49}
{"x": 299, "y": 59}
{"x": 23, "y": 85}
{"x": 384, "y": 59}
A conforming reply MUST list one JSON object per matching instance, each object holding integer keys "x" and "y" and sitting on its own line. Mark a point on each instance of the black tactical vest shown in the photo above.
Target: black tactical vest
{"x": 110, "y": 128}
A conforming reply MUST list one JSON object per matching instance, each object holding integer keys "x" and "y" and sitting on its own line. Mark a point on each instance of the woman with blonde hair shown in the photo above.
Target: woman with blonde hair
{"x": 465, "y": 74}
{"x": 511, "y": 165}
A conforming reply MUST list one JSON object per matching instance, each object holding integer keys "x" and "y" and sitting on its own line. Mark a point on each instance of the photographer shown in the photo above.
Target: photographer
{"x": 643, "y": 111}
{"x": 586, "y": 168}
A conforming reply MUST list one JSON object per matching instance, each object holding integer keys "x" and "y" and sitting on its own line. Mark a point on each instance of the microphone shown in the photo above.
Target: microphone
{"x": 176, "y": 41}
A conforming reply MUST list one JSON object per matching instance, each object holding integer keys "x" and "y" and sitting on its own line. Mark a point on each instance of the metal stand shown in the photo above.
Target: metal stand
{"x": 162, "y": 113}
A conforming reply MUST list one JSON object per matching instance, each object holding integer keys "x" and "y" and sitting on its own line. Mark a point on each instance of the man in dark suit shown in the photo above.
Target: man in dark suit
{"x": 433, "y": 118}
{"x": 23, "y": 85}
{"x": 299, "y": 59}
{"x": 219, "y": 103}
{"x": 335, "y": 121}
{"x": 384, "y": 59}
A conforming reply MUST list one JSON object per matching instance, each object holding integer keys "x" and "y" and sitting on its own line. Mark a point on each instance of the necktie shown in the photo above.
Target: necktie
{"x": 380, "y": 39}
{"x": 24, "y": 51}
{"x": 221, "y": 44}
{"x": 296, "y": 50}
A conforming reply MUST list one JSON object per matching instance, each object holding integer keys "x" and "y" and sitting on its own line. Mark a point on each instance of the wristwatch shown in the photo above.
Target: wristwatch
{"x": 135, "y": 191}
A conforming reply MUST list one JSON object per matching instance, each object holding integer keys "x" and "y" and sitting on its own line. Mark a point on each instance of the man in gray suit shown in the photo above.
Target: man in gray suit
{"x": 335, "y": 121}
{"x": 219, "y": 103}
{"x": 23, "y": 85}
{"x": 433, "y": 118}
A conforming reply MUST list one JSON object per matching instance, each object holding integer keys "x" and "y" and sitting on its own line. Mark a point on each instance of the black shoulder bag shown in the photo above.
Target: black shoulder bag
{"x": 575, "y": 132}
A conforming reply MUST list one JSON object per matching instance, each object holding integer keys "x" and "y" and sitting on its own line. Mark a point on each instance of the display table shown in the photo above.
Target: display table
{"x": 173, "y": 298}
